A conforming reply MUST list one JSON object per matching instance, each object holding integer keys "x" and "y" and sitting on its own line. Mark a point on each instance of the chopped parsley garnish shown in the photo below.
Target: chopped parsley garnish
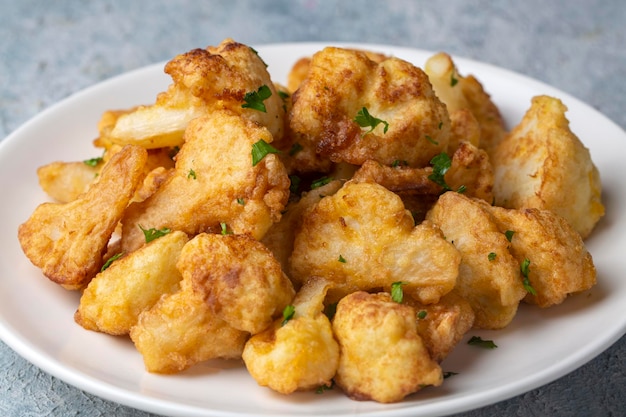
{"x": 257, "y": 54}
{"x": 152, "y": 233}
{"x": 480, "y": 342}
{"x": 509, "y": 234}
{"x": 283, "y": 94}
{"x": 525, "y": 270}
{"x": 422, "y": 314}
{"x": 397, "y": 294}
{"x": 453, "y": 80}
{"x": 111, "y": 260}
{"x": 191, "y": 174}
{"x": 342, "y": 259}
{"x": 254, "y": 99}
{"x": 320, "y": 182}
{"x": 431, "y": 140}
{"x": 288, "y": 313}
{"x": 441, "y": 164}
{"x": 365, "y": 119}
{"x": 294, "y": 187}
{"x": 492, "y": 256}
{"x": 241, "y": 201}
{"x": 224, "y": 228}
{"x": 295, "y": 148}
{"x": 449, "y": 374}
{"x": 260, "y": 150}
{"x": 93, "y": 162}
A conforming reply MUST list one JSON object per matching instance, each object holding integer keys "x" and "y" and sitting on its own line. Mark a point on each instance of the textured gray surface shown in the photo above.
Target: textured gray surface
{"x": 49, "y": 50}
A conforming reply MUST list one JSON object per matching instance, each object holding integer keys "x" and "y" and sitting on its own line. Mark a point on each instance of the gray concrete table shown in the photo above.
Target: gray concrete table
{"x": 49, "y": 50}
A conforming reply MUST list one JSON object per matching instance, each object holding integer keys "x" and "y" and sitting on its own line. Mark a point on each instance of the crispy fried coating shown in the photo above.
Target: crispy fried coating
{"x": 362, "y": 237}
{"x": 279, "y": 239}
{"x": 113, "y": 300}
{"x": 466, "y": 92}
{"x": 240, "y": 279}
{"x": 543, "y": 164}
{"x": 472, "y": 171}
{"x": 382, "y": 357}
{"x": 442, "y": 325}
{"x": 65, "y": 181}
{"x": 67, "y": 241}
{"x": 340, "y": 82}
{"x": 299, "y": 354}
{"x": 560, "y": 264}
{"x": 214, "y": 182}
{"x": 181, "y": 329}
{"x": 489, "y": 276}
{"x": 204, "y": 80}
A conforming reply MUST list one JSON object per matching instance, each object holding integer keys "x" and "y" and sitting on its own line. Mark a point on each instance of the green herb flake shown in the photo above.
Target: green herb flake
{"x": 152, "y": 233}
{"x": 295, "y": 148}
{"x": 431, "y": 140}
{"x": 111, "y": 260}
{"x": 492, "y": 256}
{"x": 448, "y": 374}
{"x": 365, "y": 119}
{"x": 509, "y": 235}
{"x": 241, "y": 201}
{"x": 283, "y": 94}
{"x": 441, "y": 164}
{"x": 342, "y": 259}
{"x": 320, "y": 182}
{"x": 525, "y": 270}
{"x": 257, "y": 54}
{"x": 191, "y": 174}
{"x": 323, "y": 388}
{"x": 294, "y": 187}
{"x": 93, "y": 162}
{"x": 453, "y": 80}
{"x": 254, "y": 99}
{"x": 397, "y": 294}
{"x": 224, "y": 229}
{"x": 288, "y": 313}
{"x": 480, "y": 342}
{"x": 422, "y": 314}
{"x": 260, "y": 150}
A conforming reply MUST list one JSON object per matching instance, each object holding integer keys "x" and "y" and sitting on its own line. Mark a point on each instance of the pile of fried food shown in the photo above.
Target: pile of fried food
{"x": 347, "y": 228}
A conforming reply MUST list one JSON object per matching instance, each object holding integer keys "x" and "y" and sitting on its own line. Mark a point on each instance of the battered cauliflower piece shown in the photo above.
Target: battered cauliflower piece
{"x": 442, "y": 325}
{"x": 362, "y": 238}
{"x": 67, "y": 241}
{"x": 560, "y": 264}
{"x": 466, "y": 93}
{"x": 279, "y": 239}
{"x": 113, "y": 300}
{"x": 204, "y": 80}
{"x": 241, "y": 281}
{"x": 297, "y": 353}
{"x": 543, "y": 164}
{"x": 489, "y": 276}
{"x": 65, "y": 181}
{"x": 382, "y": 357}
{"x": 181, "y": 329}
{"x": 214, "y": 183}
{"x": 341, "y": 83}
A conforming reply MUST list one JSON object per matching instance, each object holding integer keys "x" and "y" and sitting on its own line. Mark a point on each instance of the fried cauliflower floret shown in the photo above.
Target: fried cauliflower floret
{"x": 489, "y": 276}
{"x": 340, "y": 83}
{"x": 362, "y": 237}
{"x": 543, "y": 164}
{"x": 181, "y": 329}
{"x": 466, "y": 93}
{"x": 297, "y": 353}
{"x": 382, "y": 357}
{"x": 65, "y": 181}
{"x": 113, "y": 300}
{"x": 442, "y": 325}
{"x": 469, "y": 170}
{"x": 67, "y": 241}
{"x": 214, "y": 183}
{"x": 560, "y": 264}
{"x": 204, "y": 80}
{"x": 279, "y": 239}
{"x": 239, "y": 278}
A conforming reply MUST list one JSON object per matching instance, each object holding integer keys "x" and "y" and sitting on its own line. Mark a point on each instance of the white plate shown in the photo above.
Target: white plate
{"x": 36, "y": 316}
